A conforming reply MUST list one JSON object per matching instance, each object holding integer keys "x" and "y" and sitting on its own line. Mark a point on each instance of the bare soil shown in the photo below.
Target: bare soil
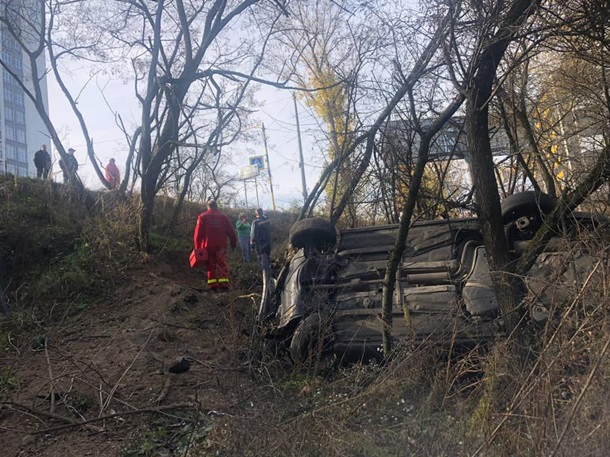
{"x": 107, "y": 363}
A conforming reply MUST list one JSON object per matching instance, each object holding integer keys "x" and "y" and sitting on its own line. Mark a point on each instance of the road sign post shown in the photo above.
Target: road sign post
{"x": 245, "y": 174}
{"x": 258, "y": 161}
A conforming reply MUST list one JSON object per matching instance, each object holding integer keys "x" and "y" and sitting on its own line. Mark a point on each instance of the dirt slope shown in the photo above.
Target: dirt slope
{"x": 111, "y": 358}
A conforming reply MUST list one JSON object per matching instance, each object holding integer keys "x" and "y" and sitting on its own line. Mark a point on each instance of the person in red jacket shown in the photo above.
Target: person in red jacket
{"x": 211, "y": 232}
{"x": 113, "y": 175}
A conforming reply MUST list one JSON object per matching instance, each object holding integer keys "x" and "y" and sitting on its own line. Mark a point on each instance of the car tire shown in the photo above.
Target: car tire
{"x": 527, "y": 203}
{"x": 529, "y": 207}
{"x": 312, "y": 340}
{"x": 316, "y": 232}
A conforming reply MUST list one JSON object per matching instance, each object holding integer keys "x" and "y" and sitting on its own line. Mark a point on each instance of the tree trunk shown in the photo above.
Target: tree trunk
{"x": 479, "y": 93}
{"x": 146, "y": 211}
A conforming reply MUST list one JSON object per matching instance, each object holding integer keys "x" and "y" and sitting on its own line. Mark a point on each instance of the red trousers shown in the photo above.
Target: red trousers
{"x": 218, "y": 268}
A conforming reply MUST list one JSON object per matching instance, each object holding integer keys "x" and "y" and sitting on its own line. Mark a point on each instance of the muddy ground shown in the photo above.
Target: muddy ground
{"x": 97, "y": 381}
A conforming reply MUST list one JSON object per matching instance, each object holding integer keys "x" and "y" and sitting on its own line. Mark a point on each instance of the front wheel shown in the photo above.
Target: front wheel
{"x": 312, "y": 340}
{"x": 316, "y": 232}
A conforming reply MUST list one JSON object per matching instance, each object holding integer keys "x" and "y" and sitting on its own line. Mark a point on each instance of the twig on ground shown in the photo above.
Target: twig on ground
{"x": 253, "y": 296}
{"x": 89, "y": 366}
{"x": 40, "y": 413}
{"x": 116, "y": 385}
{"x": 85, "y": 337}
{"x": 168, "y": 324}
{"x": 164, "y": 390}
{"x": 580, "y": 397}
{"x": 51, "y": 379}
{"x": 158, "y": 409}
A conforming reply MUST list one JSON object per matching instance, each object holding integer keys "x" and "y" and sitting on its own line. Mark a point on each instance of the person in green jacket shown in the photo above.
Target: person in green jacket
{"x": 243, "y": 235}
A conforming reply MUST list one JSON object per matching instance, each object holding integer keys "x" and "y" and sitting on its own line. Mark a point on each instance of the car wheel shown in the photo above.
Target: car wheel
{"x": 312, "y": 340}
{"x": 522, "y": 213}
{"x": 316, "y": 232}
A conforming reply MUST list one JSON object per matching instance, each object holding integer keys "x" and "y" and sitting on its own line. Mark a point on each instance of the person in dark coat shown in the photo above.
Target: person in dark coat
{"x": 260, "y": 238}
{"x": 42, "y": 162}
{"x": 69, "y": 167}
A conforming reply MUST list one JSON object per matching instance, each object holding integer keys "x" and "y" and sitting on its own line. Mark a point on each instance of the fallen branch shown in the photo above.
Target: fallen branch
{"x": 40, "y": 413}
{"x": 116, "y": 385}
{"x": 85, "y": 422}
{"x": 164, "y": 391}
{"x": 50, "y": 370}
{"x": 84, "y": 337}
{"x": 252, "y": 296}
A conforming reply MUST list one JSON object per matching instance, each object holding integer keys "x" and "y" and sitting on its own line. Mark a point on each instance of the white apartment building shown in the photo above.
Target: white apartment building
{"x": 21, "y": 128}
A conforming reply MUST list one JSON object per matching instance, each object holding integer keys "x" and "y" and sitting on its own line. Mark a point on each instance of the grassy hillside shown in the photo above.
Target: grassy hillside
{"x": 95, "y": 325}
{"x": 56, "y": 245}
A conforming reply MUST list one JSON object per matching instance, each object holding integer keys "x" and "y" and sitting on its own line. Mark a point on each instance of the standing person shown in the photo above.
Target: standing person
{"x": 69, "y": 167}
{"x": 243, "y": 235}
{"x": 42, "y": 161}
{"x": 211, "y": 232}
{"x": 260, "y": 238}
{"x": 113, "y": 175}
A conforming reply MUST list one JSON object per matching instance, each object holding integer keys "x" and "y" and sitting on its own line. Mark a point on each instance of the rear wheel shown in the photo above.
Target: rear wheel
{"x": 315, "y": 232}
{"x": 312, "y": 340}
{"x": 523, "y": 213}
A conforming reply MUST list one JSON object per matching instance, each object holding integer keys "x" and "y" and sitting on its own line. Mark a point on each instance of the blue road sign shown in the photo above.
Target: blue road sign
{"x": 258, "y": 161}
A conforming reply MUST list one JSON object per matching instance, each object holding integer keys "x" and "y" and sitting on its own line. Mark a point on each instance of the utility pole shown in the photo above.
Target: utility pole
{"x": 301, "y": 161}
{"x": 268, "y": 167}
{"x": 258, "y": 205}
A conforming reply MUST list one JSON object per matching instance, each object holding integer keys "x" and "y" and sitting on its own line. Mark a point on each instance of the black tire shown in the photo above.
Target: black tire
{"x": 523, "y": 214}
{"x": 529, "y": 203}
{"x": 318, "y": 233}
{"x": 312, "y": 340}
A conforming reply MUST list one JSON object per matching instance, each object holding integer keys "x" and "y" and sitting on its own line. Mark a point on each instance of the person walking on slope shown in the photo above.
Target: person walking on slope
{"x": 243, "y": 235}
{"x": 42, "y": 161}
{"x": 113, "y": 175}
{"x": 211, "y": 232}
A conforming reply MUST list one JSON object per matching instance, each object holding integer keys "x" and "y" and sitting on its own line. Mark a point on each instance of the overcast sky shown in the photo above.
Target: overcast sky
{"x": 277, "y": 114}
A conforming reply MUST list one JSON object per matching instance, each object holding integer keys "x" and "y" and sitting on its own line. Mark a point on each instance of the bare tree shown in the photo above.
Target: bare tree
{"x": 189, "y": 64}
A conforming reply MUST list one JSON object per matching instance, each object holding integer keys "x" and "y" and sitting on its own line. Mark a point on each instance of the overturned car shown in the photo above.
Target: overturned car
{"x": 328, "y": 297}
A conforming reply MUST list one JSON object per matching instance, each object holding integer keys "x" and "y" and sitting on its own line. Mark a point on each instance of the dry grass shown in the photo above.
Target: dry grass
{"x": 420, "y": 403}
{"x": 423, "y": 403}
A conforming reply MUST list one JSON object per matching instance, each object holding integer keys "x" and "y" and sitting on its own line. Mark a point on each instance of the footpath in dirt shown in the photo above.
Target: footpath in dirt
{"x": 150, "y": 371}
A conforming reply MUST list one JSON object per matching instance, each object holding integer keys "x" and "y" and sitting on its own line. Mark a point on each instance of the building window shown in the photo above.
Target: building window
{"x": 11, "y": 151}
{"x": 20, "y": 135}
{"x": 8, "y": 42}
{"x": 7, "y": 58}
{"x": 21, "y": 154}
{"x": 17, "y": 63}
{"x": 8, "y": 78}
{"x": 10, "y": 132}
{"x": 11, "y": 169}
{"x": 22, "y": 170}
{"x": 9, "y": 114}
{"x": 19, "y": 117}
{"x": 8, "y": 95}
{"x": 18, "y": 99}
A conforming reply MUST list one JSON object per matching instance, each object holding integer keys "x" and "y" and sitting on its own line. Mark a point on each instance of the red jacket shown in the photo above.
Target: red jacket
{"x": 113, "y": 175}
{"x": 212, "y": 230}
